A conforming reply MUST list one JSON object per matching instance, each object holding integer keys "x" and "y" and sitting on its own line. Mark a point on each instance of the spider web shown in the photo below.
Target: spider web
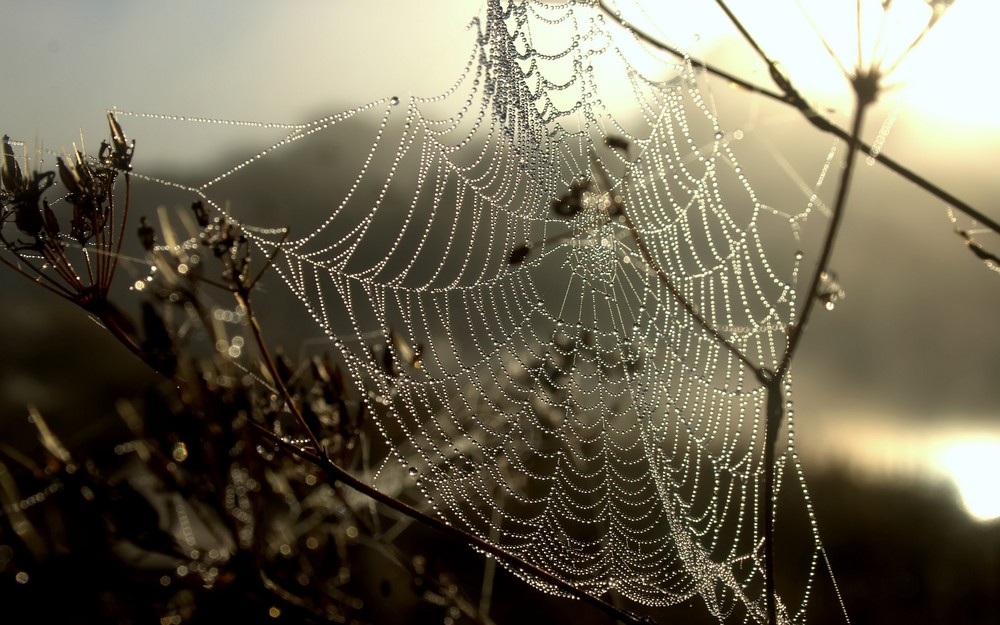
{"x": 535, "y": 378}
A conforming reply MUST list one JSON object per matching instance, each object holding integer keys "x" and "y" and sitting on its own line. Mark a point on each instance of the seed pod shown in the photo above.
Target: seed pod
{"x": 28, "y": 218}
{"x": 51, "y": 223}
{"x": 117, "y": 135}
{"x": 11, "y": 174}
{"x": 68, "y": 177}
{"x": 122, "y": 150}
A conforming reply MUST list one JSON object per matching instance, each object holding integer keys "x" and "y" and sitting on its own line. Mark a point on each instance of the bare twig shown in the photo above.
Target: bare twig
{"x": 322, "y": 461}
{"x": 113, "y": 265}
{"x": 791, "y": 97}
{"x": 243, "y": 299}
{"x": 828, "y": 243}
{"x": 866, "y": 85}
{"x": 711, "y": 69}
{"x": 339, "y": 474}
{"x": 618, "y": 208}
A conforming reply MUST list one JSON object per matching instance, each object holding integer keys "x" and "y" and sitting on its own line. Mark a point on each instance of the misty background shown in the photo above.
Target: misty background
{"x": 904, "y": 367}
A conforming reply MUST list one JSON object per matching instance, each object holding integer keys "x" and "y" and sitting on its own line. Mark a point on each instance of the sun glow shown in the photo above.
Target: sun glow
{"x": 974, "y": 466}
{"x": 940, "y": 77}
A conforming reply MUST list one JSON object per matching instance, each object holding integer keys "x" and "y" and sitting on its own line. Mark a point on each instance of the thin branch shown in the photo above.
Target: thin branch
{"x": 791, "y": 97}
{"x": 42, "y": 279}
{"x": 711, "y": 69}
{"x": 775, "y": 416}
{"x": 865, "y": 90}
{"x": 775, "y": 401}
{"x": 341, "y": 475}
{"x": 831, "y": 236}
{"x": 618, "y": 208}
{"x": 683, "y": 301}
{"x": 106, "y": 284}
{"x": 746, "y": 34}
{"x": 244, "y": 300}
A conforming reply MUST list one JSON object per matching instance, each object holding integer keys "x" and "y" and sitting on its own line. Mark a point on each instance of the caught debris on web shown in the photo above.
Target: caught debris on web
{"x": 991, "y": 260}
{"x": 830, "y": 292}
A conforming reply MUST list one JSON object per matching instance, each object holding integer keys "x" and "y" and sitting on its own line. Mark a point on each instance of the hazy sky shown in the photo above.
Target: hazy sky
{"x": 65, "y": 62}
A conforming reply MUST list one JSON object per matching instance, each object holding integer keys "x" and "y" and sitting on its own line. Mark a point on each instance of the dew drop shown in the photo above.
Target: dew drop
{"x": 393, "y": 101}
{"x": 180, "y": 452}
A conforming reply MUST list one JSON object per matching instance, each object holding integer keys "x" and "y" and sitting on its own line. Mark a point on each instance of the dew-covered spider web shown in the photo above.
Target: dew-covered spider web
{"x": 513, "y": 272}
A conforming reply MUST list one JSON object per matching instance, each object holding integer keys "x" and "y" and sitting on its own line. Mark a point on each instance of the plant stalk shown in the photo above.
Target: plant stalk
{"x": 775, "y": 399}
{"x": 789, "y": 96}
{"x": 339, "y": 474}
{"x": 828, "y": 243}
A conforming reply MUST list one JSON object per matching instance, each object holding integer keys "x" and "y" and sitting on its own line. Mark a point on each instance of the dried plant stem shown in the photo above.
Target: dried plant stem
{"x": 828, "y": 243}
{"x": 775, "y": 416}
{"x": 688, "y": 306}
{"x": 865, "y": 84}
{"x": 341, "y": 475}
{"x": 111, "y": 319}
{"x": 618, "y": 208}
{"x": 775, "y": 396}
{"x": 243, "y": 299}
{"x": 865, "y": 87}
{"x": 41, "y": 278}
{"x": 113, "y": 265}
{"x": 791, "y": 97}
{"x": 322, "y": 461}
